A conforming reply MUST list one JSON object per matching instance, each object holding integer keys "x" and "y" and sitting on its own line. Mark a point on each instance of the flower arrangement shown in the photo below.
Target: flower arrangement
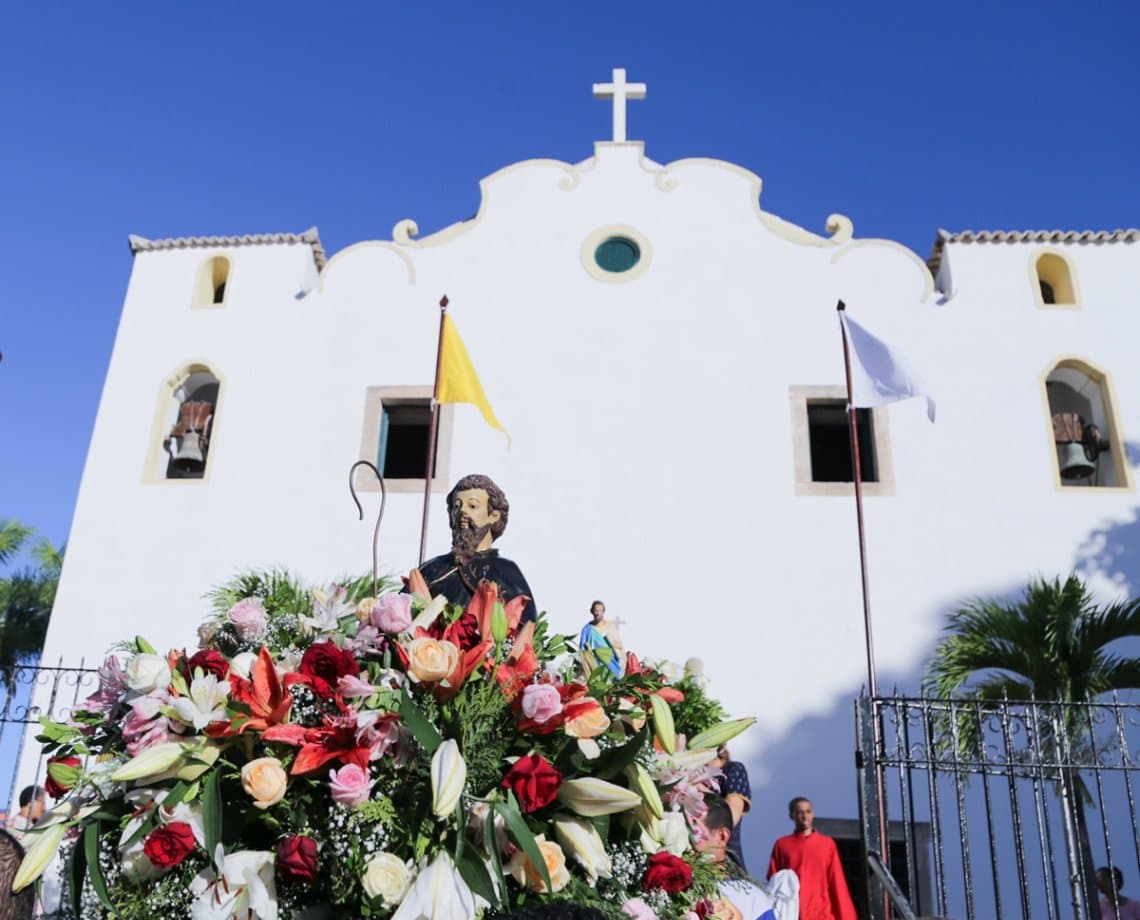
{"x": 380, "y": 756}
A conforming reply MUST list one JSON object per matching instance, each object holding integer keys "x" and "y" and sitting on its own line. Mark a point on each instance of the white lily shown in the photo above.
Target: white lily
{"x": 39, "y": 854}
{"x": 591, "y": 797}
{"x": 448, "y": 777}
{"x": 439, "y": 893}
{"x": 581, "y": 840}
{"x": 669, "y": 833}
{"x": 240, "y": 884}
{"x": 205, "y": 703}
{"x": 427, "y": 616}
{"x": 643, "y": 784}
{"x": 151, "y": 762}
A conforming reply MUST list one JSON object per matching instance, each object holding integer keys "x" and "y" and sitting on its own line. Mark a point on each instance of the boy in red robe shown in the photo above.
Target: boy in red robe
{"x": 814, "y": 858}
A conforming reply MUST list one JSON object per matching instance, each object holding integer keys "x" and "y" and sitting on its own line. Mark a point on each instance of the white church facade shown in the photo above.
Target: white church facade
{"x": 666, "y": 357}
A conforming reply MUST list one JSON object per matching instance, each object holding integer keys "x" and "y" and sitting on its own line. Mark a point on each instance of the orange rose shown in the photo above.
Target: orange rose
{"x": 586, "y": 721}
{"x": 431, "y": 660}
{"x": 526, "y": 874}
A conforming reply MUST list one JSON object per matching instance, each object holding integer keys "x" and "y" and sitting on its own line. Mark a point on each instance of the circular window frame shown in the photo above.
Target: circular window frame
{"x": 594, "y": 240}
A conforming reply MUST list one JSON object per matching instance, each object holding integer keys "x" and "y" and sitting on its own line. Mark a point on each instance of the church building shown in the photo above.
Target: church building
{"x": 666, "y": 357}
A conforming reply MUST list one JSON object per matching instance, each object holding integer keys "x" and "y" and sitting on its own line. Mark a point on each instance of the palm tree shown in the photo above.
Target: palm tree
{"x": 1052, "y": 645}
{"x": 26, "y": 599}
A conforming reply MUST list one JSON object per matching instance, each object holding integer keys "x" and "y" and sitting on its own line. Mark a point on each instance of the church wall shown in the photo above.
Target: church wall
{"x": 652, "y": 460}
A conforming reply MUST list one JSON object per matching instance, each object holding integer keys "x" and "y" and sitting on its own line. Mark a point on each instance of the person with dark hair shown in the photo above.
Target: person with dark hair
{"x": 737, "y": 792}
{"x": 555, "y": 910}
{"x": 815, "y": 860}
{"x": 477, "y": 510}
{"x": 1114, "y": 905}
{"x": 777, "y": 900}
{"x": 33, "y": 804}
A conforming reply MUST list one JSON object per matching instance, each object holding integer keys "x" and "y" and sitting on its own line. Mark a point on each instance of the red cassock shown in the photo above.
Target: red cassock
{"x": 823, "y": 889}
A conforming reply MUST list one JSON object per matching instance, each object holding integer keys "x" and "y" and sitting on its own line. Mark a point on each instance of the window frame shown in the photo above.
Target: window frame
{"x": 1052, "y": 280}
{"x": 203, "y": 293}
{"x": 375, "y": 399}
{"x": 799, "y": 398}
{"x": 1117, "y": 454}
{"x": 166, "y": 413}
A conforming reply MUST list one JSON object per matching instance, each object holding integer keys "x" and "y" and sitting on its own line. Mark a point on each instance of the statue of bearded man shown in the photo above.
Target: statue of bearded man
{"x": 477, "y": 510}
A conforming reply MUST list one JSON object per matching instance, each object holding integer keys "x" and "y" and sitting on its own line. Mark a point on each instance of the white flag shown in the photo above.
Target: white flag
{"x": 878, "y": 375}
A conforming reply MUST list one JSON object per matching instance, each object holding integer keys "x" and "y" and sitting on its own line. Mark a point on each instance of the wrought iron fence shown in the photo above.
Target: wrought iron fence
{"x": 35, "y": 691}
{"x": 1005, "y": 807}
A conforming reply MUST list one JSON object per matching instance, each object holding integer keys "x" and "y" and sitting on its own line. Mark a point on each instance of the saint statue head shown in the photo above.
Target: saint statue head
{"x": 477, "y": 510}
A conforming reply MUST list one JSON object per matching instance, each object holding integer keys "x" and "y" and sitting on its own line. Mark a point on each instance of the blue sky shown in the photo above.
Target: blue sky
{"x": 209, "y": 118}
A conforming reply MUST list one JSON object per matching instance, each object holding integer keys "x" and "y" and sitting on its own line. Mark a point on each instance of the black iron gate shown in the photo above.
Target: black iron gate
{"x": 1004, "y": 808}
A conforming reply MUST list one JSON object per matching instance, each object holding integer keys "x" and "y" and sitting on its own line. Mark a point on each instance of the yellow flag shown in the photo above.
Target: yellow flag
{"x": 458, "y": 381}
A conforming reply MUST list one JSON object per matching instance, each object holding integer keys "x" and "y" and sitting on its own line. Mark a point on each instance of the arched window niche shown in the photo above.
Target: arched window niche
{"x": 1054, "y": 279}
{"x": 1087, "y": 437}
{"x": 210, "y": 288}
{"x": 184, "y": 424}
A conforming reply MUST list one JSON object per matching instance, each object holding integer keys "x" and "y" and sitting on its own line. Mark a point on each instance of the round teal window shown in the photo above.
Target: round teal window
{"x": 617, "y": 254}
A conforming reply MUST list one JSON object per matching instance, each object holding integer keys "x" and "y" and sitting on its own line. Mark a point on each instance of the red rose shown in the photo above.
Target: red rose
{"x": 170, "y": 844}
{"x": 297, "y": 859}
{"x": 534, "y": 781}
{"x": 62, "y": 774}
{"x": 667, "y": 872}
{"x": 209, "y": 661}
{"x": 323, "y": 664}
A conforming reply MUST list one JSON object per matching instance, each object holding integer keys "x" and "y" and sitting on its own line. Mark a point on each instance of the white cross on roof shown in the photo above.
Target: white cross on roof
{"x": 619, "y": 91}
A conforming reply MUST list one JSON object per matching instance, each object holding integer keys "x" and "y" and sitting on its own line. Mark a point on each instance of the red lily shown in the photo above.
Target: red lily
{"x": 336, "y": 740}
{"x": 521, "y": 664}
{"x": 268, "y": 701}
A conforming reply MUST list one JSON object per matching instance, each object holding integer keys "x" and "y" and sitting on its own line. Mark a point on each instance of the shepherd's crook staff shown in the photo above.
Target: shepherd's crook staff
{"x": 872, "y": 683}
{"x": 429, "y": 473}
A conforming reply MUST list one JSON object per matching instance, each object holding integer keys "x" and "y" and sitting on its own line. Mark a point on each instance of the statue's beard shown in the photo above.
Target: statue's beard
{"x": 465, "y": 539}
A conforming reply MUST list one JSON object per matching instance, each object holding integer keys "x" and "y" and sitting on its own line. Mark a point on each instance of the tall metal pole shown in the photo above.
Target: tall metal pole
{"x": 872, "y": 682}
{"x": 429, "y": 473}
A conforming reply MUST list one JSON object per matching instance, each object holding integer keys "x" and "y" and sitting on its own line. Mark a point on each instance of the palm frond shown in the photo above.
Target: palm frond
{"x": 13, "y": 535}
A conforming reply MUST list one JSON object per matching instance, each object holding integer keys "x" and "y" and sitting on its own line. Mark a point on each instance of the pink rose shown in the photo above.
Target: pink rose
{"x": 350, "y": 785}
{"x": 541, "y": 702}
{"x": 248, "y": 618}
{"x": 392, "y": 613}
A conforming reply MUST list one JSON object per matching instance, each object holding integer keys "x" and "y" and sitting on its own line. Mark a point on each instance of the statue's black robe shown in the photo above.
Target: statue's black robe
{"x": 458, "y": 584}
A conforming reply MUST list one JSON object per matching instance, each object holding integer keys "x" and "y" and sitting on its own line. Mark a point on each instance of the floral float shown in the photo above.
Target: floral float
{"x": 380, "y": 756}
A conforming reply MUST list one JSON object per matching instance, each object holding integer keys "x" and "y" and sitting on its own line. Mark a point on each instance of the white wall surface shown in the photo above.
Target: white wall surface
{"x": 652, "y": 461}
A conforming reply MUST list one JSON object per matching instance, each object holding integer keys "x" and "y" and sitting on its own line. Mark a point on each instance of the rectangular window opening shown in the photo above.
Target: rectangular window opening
{"x": 404, "y": 433}
{"x": 829, "y": 438}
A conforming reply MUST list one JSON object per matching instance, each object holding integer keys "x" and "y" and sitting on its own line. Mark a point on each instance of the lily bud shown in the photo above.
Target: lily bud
{"x": 663, "y": 723}
{"x": 151, "y": 762}
{"x": 439, "y": 892}
{"x": 448, "y": 776}
{"x": 39, "y": 854}
{"x": 201, "y": 762}
{"x": 499, "y": 622}
{"x": 641, "y": 782}
{"x": 590, "y": 797}
{"x": 720, "y": 734}
{"x": 581, "y": 840}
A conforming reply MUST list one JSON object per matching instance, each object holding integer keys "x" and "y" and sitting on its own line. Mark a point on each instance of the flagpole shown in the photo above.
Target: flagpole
{"x": 872, "y": 683}
{"x": 433, "y": 433}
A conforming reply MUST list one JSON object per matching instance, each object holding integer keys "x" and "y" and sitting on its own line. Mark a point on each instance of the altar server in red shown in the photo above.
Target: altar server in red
{"x": 814, "y": 858}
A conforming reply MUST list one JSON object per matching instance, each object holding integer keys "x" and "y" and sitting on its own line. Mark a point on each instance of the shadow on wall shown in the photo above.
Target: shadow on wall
{"x": 1112, "y": 553}
{"x": 814, "y": 758}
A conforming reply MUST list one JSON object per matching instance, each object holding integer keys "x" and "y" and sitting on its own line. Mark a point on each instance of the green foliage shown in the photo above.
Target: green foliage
{"x": 26, "y": 599}
{"x": 698, "y": 711}
{"x": 1054, "y": 644}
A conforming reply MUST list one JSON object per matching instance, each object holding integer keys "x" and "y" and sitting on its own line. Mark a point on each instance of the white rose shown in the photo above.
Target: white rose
{"x": 242, "y": 664}
{"x": 147, "y": 673}
{"x": 386, "y": 877}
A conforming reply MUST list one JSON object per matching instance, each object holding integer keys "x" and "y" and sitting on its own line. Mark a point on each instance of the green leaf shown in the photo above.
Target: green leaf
{"x": 517, "y": 828}
{"x": 179, "y": 682}
{"x": 94, "y": 873}
{"x": 492, "y": 847}
{"x": 425, "y": 733}
{"x": 76, "y": 872}
{"x": 474, "y": 872}
{"x": 212, "y": 810}
{"x": 143, "y": 646}
{"x": 615, "y": 760}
